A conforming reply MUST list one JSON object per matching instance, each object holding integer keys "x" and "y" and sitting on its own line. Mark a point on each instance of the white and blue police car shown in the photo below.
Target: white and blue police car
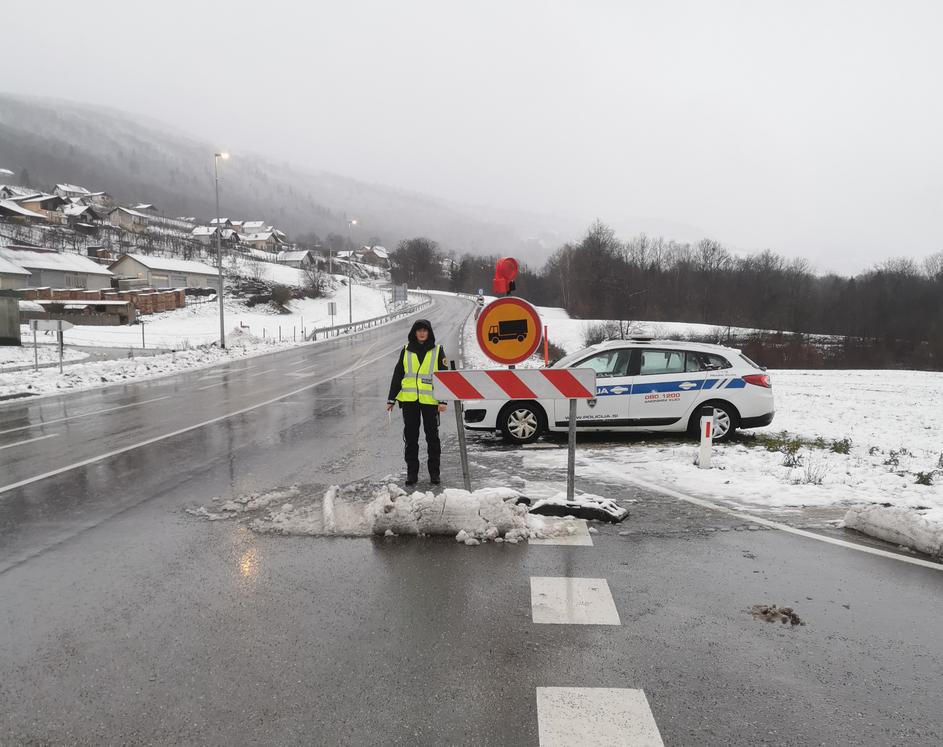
{"x": 642, "y": 385}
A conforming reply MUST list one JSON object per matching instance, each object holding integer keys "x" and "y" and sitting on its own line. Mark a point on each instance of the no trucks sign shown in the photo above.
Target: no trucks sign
{"x": 508, "y": 330}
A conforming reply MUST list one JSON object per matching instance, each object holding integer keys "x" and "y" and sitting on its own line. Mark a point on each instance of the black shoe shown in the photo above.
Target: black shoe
{"x": 435, "y": 479}
{"x": 412, "y": 480}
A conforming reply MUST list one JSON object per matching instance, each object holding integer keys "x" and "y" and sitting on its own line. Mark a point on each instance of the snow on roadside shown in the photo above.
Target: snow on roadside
{"x": 239, "y": 344}
{"x": 17, "y": 357}
{"x": 191, "y": 333}
{"x": 863, "y": 447}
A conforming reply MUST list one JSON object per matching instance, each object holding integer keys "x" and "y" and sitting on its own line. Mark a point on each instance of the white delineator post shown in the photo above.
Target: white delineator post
{"x": 707, "y": 437}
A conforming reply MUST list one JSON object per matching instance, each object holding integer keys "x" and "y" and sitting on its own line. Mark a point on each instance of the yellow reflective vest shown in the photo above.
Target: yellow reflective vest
{"x": 417, "y": 377}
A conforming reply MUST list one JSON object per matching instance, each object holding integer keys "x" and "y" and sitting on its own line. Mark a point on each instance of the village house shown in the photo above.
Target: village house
{"x": 12, "y": 275}
{"x": 128, "y": 219}
{"x": 162, "y": 272}
{"x": 13, "y": 211}
{"x": 52, "y": 269}
{"x": 267, "y": 241}
{"x": 302, "y": 259}
{"x": 11, "y": 191}
{"x": 207, "y": 235}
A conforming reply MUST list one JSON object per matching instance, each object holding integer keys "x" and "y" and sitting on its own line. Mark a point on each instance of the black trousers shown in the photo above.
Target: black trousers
{"x": 413, "y": 413}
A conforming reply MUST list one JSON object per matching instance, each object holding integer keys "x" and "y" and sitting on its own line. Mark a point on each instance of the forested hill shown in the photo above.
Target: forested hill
{"x": 101, "y": 149}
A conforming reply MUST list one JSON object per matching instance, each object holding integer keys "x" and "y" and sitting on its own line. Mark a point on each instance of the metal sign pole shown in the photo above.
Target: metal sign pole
{"x": 571, "y": 453}
{"x": 61, "y": 345}
{"x": 35, "y": 351}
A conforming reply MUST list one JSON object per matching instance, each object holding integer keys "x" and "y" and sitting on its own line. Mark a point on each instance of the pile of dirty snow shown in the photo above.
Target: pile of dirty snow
{"x": 486, "y": 514}
{"x": 489, "y": 514}
{"x": 917, "y": 528}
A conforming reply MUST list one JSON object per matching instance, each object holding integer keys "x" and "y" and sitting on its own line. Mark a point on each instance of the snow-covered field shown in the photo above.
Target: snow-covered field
{"x": 191, "y": 334}
{"x": 46, "y": 352}
{"x": 852, "y": 439}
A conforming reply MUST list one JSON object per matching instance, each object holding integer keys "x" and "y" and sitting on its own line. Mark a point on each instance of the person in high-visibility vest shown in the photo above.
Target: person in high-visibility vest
{"x": 411, "y": 387}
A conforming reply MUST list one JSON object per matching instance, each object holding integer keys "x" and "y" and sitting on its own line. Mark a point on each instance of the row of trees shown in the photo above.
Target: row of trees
{"x": 898, "y": 303}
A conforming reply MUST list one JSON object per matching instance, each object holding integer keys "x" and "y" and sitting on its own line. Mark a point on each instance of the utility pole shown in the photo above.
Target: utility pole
{"x": 219, "y": 250}
{"x": 350, "y": 261}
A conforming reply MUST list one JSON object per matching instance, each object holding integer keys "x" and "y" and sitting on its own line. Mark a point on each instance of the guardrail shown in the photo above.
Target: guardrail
{"x": 341, "y": 329}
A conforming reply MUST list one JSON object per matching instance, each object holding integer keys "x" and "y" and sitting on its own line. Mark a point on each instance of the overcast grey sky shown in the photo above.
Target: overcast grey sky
{"x": 813, "y": 129}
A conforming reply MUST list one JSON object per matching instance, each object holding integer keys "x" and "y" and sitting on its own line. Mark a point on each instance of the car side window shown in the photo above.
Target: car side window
{"x": 608, "y": 363}
{"x": 711, "y": 362}
{"x": 656, "y": 362}
{"x": 693, "y": 363}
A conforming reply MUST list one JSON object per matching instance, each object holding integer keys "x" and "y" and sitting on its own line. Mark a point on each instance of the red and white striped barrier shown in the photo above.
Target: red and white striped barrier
{"x": 518, "y": 383}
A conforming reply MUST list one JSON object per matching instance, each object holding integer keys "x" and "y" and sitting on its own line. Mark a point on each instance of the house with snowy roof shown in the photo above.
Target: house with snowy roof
{"x": 268, "y": 241}
{"x": 165, "y": 272}
{"x": 128, "y": 219}
{"x": 49, "y": 268}
{"x": 302, "y": 258}
{"x": 12, "y": 211}
{"x": 207, "y": 235}
{"x": 12, "y": 275}
{"x": 12, "y": 191}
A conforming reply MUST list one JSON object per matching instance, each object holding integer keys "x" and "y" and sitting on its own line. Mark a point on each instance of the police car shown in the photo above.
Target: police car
{"x": 642, "y": 385}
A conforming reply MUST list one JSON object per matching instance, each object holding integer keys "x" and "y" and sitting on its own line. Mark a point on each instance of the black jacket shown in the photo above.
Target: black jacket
{"x": 420, "y": 349}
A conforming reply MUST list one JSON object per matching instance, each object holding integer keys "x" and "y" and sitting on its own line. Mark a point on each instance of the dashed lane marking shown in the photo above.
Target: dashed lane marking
{"x": 83, "y": 415}
{"x": 612, "y": 716}
{"x": 27, "y": 441}
{"x": 572, "y": 601}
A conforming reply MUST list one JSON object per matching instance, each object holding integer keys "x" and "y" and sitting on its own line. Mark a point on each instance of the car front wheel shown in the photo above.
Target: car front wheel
{"x": 521, "y": 423}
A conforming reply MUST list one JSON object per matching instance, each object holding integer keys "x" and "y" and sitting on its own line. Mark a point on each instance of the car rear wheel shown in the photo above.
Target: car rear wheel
{"x": 726, "y": 420}
{"x": 521, "y": 422}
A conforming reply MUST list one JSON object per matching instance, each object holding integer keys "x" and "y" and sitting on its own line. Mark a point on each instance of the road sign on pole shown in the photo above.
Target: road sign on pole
{"x": 508, "y": 330}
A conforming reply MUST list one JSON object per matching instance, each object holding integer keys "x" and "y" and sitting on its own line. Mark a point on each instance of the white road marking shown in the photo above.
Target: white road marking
{"x": 27, "y": 441}
{"x": 131, "y": 447}
{"x": 572, "y": 601}
{"x": 84, "y": 415}
{"x": 610, "y": 716}
{"x": 261, "y": 373}
{"x": 580, "y": 537}
{"x": 215, "y": 375}
{"x": 782, "y": 527}
{"x": 208, "y": 386}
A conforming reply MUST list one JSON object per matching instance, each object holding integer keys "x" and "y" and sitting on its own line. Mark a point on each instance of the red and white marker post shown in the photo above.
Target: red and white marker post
{"x": 707, "y": 437}
{"x": 513, "y": 384}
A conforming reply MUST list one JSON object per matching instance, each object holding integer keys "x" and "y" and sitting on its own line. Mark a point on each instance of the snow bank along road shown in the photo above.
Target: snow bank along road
{"x": 126, "y": 620}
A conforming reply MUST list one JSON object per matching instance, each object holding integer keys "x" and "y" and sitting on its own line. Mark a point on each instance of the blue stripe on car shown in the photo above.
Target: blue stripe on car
{"x": 616, "y": 390}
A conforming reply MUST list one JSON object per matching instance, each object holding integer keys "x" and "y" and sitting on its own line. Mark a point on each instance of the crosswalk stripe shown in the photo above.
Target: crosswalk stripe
{"x": 610, "y": 716}
{"x": 572, "y": 601}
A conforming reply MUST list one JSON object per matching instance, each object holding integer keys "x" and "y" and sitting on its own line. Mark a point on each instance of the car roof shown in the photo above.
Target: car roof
{"x": 705, "y": 347}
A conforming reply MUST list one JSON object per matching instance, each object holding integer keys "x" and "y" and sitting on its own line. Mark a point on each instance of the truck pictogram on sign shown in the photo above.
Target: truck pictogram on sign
{"x": 513, "y": 329}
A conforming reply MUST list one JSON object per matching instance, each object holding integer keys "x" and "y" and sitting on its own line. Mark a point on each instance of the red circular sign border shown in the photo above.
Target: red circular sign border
{"x": 520, "y": 302}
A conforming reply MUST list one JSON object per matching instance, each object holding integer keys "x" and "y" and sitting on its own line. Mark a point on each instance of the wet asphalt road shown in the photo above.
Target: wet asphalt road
{"x": 124, "y": 620}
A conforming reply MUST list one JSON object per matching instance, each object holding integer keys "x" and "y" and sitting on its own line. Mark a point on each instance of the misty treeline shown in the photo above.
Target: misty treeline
{"x": 888, "y": 317}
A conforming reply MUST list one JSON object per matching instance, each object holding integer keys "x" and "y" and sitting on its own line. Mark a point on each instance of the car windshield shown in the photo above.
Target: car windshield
{"x": 570, "y": 359}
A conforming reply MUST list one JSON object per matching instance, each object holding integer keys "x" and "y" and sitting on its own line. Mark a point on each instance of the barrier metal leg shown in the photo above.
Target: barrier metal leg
{"x": 462, "y": 447}
{"x": 571, "y": 454}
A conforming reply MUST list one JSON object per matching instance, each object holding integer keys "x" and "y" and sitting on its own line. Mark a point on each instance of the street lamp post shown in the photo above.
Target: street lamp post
{"x": 219, "y": 250}
{"x": 350, "y": 260}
